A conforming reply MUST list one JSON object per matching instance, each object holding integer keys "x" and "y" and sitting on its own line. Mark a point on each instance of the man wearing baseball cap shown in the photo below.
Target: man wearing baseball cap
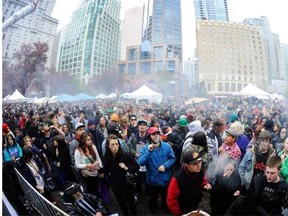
{"x": 185, "y": 188}
{"x": 158, "y": 157}
{"x": 230, "y": 146}
{"x": 79, "y": 129}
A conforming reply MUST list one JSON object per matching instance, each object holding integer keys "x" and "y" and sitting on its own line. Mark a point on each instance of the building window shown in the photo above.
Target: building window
{"x": 171, "y": 66}
{"x": 158, "y": 52}
{"x": 121, "y": 68}
{"x": 220, "y": 88}
{"x": 209, "y": 87}
{"x": 145, "y": 55}
{"x": 158, "y": 66}
{"x": 226, "y": 87}
{"x": 233, "y": 87}
{"x": 239, "y": 86}
{"x": 132, "y": 54}
{"x": 132, "y": 68}
{"x": 145, "y": 67}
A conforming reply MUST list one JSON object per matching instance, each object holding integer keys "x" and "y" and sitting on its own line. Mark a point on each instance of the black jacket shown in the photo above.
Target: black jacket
{"x": 117, "y": 175}
{"x": 96, "y": 202}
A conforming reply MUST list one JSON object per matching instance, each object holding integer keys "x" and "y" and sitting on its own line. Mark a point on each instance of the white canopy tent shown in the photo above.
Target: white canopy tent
{"x": 45, "y": 100}
{"x": 112, "y": 96}
{"x": 278, "y": 96}
{"x": 101, "y": 96}
{"x": 253, "y": 91}
{"x": 195, "y": 100}
{"x": 145, "y": 93}
{"x": 17, "y": 97}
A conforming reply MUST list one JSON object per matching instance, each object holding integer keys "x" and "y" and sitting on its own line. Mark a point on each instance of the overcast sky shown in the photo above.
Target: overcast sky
{"x": 275, "y": 10}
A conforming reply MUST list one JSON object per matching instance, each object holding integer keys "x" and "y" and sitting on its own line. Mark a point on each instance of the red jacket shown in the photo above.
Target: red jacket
{"x": 173, "y": 195}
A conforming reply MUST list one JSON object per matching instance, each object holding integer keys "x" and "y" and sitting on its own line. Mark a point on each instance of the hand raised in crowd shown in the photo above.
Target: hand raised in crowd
{"x": 208, "y": 187}
{"x": 123, "y": 166}
{"x": 237, "y": 193}
{"x": 161, "y": 168}
{"x": 150, "y": 147}
{"x": 221, "y": 150}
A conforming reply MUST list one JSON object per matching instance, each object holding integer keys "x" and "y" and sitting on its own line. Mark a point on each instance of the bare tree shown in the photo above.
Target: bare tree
{"x": 29, "y": 67}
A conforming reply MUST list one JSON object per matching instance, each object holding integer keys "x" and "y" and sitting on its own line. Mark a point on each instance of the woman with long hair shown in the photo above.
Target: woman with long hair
{"x": 31, "y": 171}
{"x": 12, "y": 152}
{"x": 61, "y": 160}
{"x": 68, "y": 134}
{"x": 118, "y": 165}
{"x": 89, "y": 162}
{"x": 102, "y": 126}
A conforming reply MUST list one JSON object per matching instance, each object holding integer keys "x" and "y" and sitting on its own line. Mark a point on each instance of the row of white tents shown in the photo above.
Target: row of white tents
{"x": 143, "y": 93}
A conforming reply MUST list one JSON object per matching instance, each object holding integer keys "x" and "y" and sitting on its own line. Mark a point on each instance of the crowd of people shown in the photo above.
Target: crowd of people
{"x": 235, "y": 149}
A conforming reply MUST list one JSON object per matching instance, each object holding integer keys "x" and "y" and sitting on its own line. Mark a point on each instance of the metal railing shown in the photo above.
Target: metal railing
{"x": 37, "y": 201}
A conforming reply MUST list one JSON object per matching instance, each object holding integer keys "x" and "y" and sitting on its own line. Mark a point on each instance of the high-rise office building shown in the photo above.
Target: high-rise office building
{"x": 272, "y": 46}
{"x": 37, "y": 26}
{"x": 230, "y": 55}
{"x": 211, "y": 10}
{"x": 284, "y": 51}
{"x": 132, "y": 28}
{"x": 90, "y": 44}
{"x": 161, "y": 47}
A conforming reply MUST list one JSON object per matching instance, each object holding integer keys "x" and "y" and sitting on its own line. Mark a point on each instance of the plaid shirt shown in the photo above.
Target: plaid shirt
{"x": 233, "y": 151}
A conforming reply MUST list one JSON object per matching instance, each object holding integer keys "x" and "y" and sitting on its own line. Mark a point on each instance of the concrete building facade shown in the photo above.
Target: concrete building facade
{"x": 132, "y": 29}
{"x": 230, "y": 55}
{"x": 284, "y": 51}
{"x": 37, "y": 26}
{"x": 272, "y": 46}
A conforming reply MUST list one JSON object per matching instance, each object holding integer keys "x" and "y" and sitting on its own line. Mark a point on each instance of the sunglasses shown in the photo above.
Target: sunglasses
{"x": 133, "y": 119}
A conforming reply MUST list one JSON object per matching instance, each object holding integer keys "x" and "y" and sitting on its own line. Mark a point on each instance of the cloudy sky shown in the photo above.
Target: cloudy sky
{"x": 275, "y": 10}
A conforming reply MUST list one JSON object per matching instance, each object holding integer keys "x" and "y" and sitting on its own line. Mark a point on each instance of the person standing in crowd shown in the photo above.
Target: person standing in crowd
{"x": 268, "y": 193}
{"x": 242, "y": 140}
{"x": 89, "y": 162}
{"x": 34, "y": 133}
{"x": 124, "y": 125}
{"x": 132, "y": 128}
{"x": 97, "y": 136}
{"x": 12, "y": 152}
{"x": 278, "y": 140}
{"x": 135, "y": 143}
{"x": 198, "y": 143}
{"x": 79, "y": 129}
{"x": 118, "y": 164}
{"x": 158, "y": 157}
{"x": 193, "y": 127}
{"x": 67, "y": 133}
{"x": 102, "y": 126}
{"x": 284, "y": 157}
{"x": 229, "y": 146}
{"x": 253, "y": 162}
{"x": 61, "y": 160}
{"x": 179, "y": 132}
{"x": 214, "y": 139}
{"x": 19, "y": 136}
{"x": 31, "y": 171}
{"x": 115, "y": 128}
{"x": 185, "y": 188}
{"x": 82, "y": 118}
{"x": 226, "y": 187}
